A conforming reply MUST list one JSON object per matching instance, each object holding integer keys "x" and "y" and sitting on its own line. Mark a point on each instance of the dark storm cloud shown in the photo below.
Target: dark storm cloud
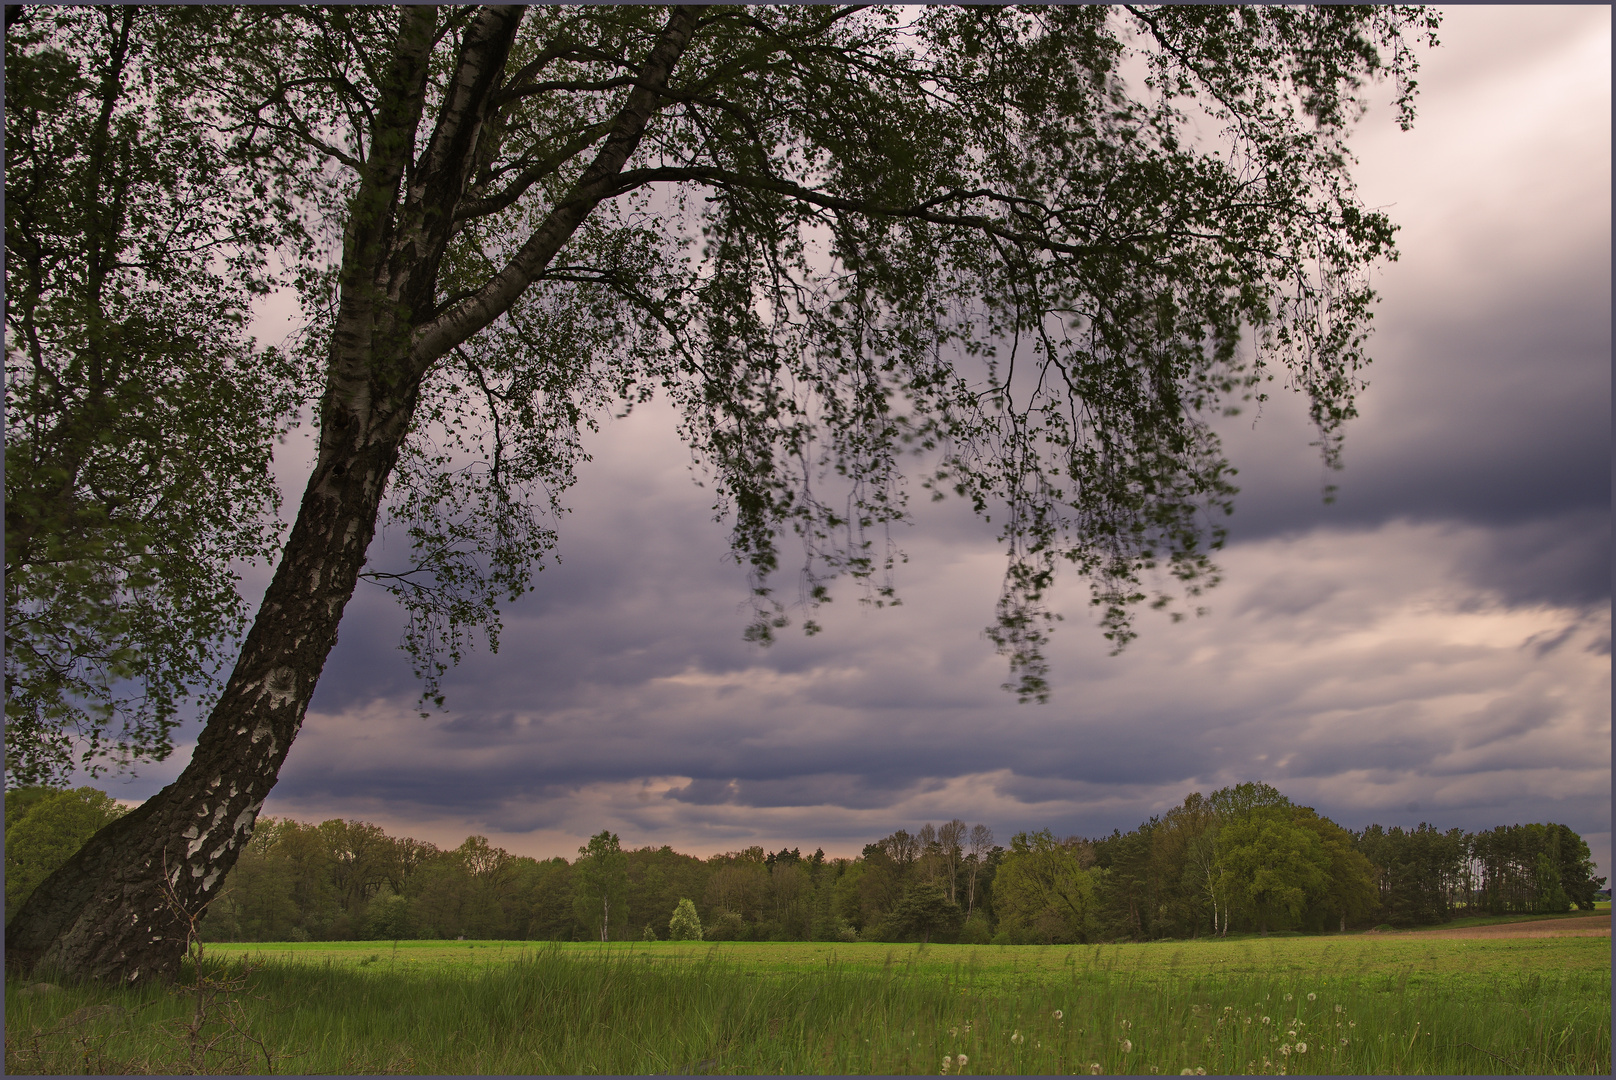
{"x": 1487, "y": 409}
{"x": 1489, "y": 398}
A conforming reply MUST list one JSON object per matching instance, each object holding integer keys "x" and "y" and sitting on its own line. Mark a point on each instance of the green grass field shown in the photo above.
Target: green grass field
{"x": 1380, "y": 1004}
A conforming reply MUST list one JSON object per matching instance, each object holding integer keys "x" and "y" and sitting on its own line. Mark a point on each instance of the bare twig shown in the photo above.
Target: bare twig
{"x": 1495, "y": 1057}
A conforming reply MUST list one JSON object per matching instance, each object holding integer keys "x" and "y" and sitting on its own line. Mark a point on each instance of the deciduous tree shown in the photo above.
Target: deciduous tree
{"x": 139, "y": 417}
{"x": 829, "y": 235}
{"x": 1044, "y": 889}
{"x": 43, "y": 832}
{"x": 599, "y": 882}
{"x": 685, "y": 924}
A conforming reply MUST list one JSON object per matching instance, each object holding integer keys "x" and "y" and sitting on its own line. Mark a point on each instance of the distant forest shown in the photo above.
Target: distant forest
{"x": 1245, "y": 859}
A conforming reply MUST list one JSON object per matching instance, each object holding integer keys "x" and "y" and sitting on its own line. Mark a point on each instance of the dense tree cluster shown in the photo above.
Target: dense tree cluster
{"x": 1240, "y": 860}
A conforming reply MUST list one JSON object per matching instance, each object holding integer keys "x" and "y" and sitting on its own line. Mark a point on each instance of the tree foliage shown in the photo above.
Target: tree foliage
{"x": 600, "y": 881}
{"x": 1044, "y": 248}
{"x": 1044, "y": 889}
{"x": 685, "y": 925}
{"x": 846, "y": 234}
{"x": 139, "y": 416}
{"x": 43, "y": 828}
{"x": 344, "y": 880}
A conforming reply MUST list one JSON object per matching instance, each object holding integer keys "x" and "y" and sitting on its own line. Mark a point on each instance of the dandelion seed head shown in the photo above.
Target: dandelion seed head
{"x": 1059, "y": 1015}
{"x": 1338, "y": 1009}
{"x": 962, "y": 1061}
{"x": 1312, "y": 996}
{"x": 1126, "y": 1046}
{"x": 1266, "y": 1020}
{"x": 1094, "y": 1068}
{"x": 1287, "y": 997}
{"x": 1301, "y": 1048}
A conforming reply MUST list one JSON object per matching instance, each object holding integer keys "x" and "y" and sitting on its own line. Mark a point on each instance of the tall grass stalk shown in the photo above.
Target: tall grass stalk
{"x": 624, "y": 1012}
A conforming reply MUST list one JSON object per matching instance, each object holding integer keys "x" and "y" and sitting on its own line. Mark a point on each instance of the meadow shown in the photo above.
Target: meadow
{"x": 1334, "y": 1004}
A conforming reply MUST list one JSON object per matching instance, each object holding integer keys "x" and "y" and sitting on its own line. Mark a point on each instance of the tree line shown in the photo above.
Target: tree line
{"x": 1243, "y": 859}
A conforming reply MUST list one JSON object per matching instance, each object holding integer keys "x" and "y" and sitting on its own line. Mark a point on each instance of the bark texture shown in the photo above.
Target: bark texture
{"x": 117, "y": 910}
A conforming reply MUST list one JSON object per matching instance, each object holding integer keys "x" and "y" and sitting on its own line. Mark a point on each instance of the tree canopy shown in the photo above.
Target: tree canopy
{"x": 139, "y": 417}
{"x": 43, "y": 828}
{"x": 1043, "y": 248}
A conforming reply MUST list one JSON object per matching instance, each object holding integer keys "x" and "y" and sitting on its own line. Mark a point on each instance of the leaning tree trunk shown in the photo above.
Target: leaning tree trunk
{"x": 118, "y": 910}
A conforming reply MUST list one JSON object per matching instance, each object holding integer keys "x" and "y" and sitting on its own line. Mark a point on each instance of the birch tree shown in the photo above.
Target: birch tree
{"x": 830, "y": 236}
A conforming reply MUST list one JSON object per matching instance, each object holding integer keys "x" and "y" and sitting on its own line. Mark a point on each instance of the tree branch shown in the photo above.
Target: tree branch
{"x": 597, "y": 184}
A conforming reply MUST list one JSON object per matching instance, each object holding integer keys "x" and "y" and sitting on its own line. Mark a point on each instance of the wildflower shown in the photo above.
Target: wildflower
{"x": 1301, "y": 1048}
{"x": 1059, "y": 1015}
{"x": 1126, "y": 1046}
{"x": 962, "y": 1061}
{"x": 1094, "y": 1068}
{"x": 948, "y": 1063}
{"x": 1312, "y": 997}
{"x": 1016, "y": 1037}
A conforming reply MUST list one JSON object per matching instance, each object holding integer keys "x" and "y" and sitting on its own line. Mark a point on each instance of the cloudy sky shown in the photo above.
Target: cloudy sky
{"x": 1434, "y": 646}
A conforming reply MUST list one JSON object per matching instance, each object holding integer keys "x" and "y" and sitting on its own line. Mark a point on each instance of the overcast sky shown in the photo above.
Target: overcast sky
{"x": 1434, "y": 646}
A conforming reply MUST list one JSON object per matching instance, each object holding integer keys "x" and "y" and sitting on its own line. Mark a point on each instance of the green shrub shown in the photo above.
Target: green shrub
{"x": 685, "y": 924}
